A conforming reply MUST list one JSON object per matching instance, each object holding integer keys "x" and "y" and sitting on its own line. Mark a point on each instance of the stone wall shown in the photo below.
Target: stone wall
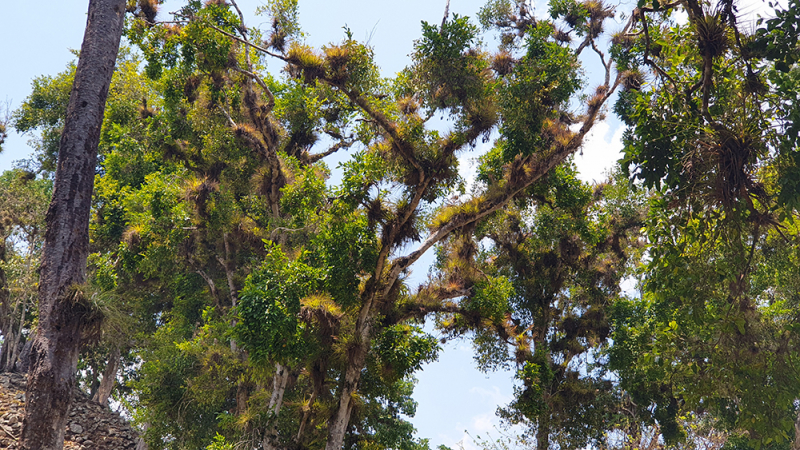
{"x": 90, "y": 425}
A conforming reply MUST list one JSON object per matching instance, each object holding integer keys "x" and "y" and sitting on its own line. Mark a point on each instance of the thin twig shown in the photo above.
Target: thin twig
{"x": 8, "y": 432}
{"x": 606, "y": 66}
{"x": 246, "y": 42}
{"x": 290, "y": 230}
{"x": 228, "y": 116}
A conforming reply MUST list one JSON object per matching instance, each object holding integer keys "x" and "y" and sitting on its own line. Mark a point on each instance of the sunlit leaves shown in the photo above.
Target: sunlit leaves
{"x": 270, "y": 304}
{"x": 403, "y": 348}
{"x": 543, "y": 80}
{"x": 348, "y": 251}
{"x": 449, "y": 68}
{"x": 490, "y": 300}
{"x": 285, "y": 25}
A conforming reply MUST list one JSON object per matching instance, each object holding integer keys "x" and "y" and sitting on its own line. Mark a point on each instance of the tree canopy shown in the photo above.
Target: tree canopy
{"x": 252, "y": 231}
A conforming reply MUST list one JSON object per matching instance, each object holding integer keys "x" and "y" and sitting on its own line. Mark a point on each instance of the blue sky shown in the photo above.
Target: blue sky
{"x": 453, "y": 396}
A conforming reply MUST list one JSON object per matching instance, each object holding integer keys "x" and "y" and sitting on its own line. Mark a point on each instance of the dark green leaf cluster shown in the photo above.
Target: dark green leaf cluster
{"x": 711, "y": 334}
{"x": 270, "y": 304}
{"x": 532, "y": 95}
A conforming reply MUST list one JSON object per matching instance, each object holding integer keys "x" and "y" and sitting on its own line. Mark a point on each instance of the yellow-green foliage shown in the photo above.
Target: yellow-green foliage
{"x": 307, "y": 61}
{"x": 323, "y": 304}
{"x": 449, "y": 213}
{"x": 337, "y": 59}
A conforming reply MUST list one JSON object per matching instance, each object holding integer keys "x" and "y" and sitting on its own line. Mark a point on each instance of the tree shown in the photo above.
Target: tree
{"x": 714, "y": 331}
{"x": 270, "y": 297}
{"x": 561, "y": 255}
{"x": 22, "y": 208}
{"x": 3, "y": 126}
{"x": 312, "y": 339}
{"x": 64, "y": 312}
{"x": 323, "y": 324}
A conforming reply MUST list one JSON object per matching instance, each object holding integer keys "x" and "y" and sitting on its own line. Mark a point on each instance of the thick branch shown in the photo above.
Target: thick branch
{"x": 310, "y": 159}
{"x": 404, "y": 148}
{"x": 531, "y": 169}
{"x": 212, "y": 287}
{"x": 271, "y": 103}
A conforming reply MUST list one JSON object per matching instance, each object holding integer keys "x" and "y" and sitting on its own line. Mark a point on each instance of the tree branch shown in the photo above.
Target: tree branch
{"x": 246, "y": 42}
{"x": 271, "y": 103}
{"x": 335, "y": 148}
{"x": 530, "y": 169}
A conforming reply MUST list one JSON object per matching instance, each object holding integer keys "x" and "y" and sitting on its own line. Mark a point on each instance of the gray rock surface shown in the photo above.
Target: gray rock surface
{"x": 90, "y": 426}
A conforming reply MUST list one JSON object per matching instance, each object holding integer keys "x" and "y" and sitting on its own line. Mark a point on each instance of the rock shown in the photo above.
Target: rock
{"x": 90, "y": 426}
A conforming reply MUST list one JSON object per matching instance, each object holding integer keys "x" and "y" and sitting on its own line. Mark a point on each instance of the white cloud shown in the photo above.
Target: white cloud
{"x": 483, "y": 423}
{"x": 465, "y": 348}
{"x": 601, "y": 150}
{"x": 494, "y": 395}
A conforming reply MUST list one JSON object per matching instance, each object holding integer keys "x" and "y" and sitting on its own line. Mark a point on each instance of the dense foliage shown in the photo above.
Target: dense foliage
{"x": 253, "y": 230}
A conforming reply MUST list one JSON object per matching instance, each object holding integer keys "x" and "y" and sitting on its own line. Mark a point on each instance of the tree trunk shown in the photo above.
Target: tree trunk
{"x": 337, "y": 425}
{"x": 543, "y": 435}
{"x": 24, "y": 358}
{"x": 62, "y": 311}
{"x": 17, "y": 343}
{"x": 279, "y": 382}
{"x": 6, "y": 322}
{"x": 109, "y": 378}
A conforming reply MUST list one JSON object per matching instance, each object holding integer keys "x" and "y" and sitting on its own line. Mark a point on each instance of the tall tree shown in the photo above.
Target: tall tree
{"x": 3, "y": 127}
{"x": 23, "y": 202}
{"x": 63, "y": 309}
{"x": 712, "y": 130}
{"x": 218, "y": 159}
{"x": 560, "y": 256}
{"x": 324, "y": 310}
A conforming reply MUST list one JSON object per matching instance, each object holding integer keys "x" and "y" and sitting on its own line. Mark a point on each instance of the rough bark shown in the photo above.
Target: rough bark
{"x": 6, "y": 322}
{"x": 356, "y": 360}
{"x": 109, "y": 378}
{"x": 279, "y": 382}
{"x": 337, "y": 426}
{"x": 62, "y": 311}
{"x": 24, "y": 359}
{"x": 16, "y": 338}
